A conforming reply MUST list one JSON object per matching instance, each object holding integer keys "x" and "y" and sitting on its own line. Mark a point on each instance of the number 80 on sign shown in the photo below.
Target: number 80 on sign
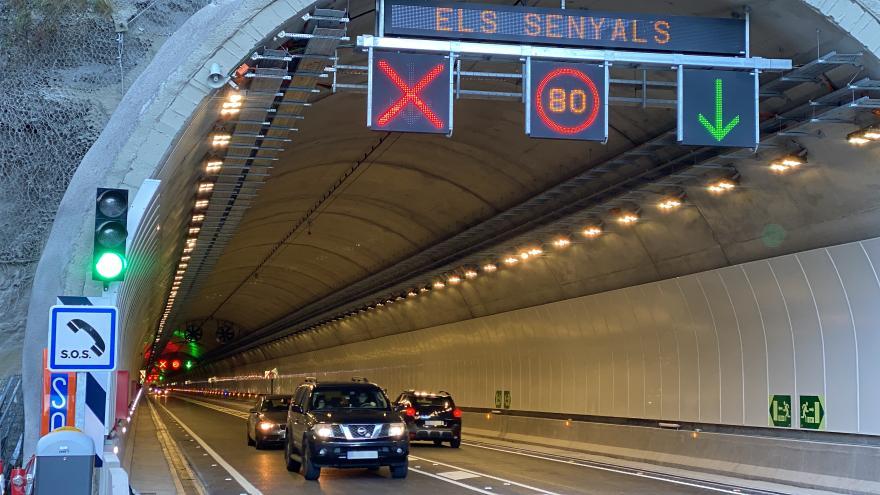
{"x": 566, "y": 100}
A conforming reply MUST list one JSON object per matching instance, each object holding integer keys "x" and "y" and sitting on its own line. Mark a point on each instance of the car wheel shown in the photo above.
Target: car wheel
{"x": 310, "y": 471}
{"x": 400, "y": 471}
{"x": 292, "y": 465}
{"x": 250, "y": 440}
{"x": 259, "y": 443}
{"x": 455, "y": 443}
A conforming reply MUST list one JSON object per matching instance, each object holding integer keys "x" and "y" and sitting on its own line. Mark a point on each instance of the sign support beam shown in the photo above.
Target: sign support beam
{"x": 518, "y": 52}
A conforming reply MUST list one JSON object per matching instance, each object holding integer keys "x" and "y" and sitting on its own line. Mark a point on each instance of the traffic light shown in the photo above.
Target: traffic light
{"x": 111, "y": 220}
{"x": 175, "y": 364}
{"x": 188, "y": 365}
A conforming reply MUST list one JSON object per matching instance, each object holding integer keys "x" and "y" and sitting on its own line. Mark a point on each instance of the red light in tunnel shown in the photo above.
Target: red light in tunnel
{"x": 409, "y": 411}
{"x": 456, "y": 413}
{"x": 410, "y": 95}
{"x": 175, "y": 364}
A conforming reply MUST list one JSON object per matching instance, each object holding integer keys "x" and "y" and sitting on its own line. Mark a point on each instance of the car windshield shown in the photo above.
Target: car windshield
{"x": 444, "y": 402}
{"x": 275, "y": 404}
{"x": 348, "y": 398}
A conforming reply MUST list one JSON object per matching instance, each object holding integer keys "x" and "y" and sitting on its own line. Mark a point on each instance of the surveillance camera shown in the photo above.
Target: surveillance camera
{"x": 216, "y": 78}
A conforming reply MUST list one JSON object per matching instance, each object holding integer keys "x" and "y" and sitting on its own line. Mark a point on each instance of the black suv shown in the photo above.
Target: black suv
{"x": 344, "y": 424}
{"x": 430, "y": 416}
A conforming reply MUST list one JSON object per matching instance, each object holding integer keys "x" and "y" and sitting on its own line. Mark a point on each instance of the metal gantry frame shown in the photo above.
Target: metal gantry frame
{"x": 494, "y": 237}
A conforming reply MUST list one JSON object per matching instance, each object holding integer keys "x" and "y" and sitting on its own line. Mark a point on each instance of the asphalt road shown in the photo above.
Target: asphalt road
{"x": 211, "y": 434}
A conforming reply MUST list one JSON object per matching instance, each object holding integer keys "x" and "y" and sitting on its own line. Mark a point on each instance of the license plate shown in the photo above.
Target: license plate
{"x": 434, "y": 423}
{"x": 363, "y": 454}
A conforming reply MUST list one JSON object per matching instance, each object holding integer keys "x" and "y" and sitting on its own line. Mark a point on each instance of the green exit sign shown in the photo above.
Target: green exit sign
{"x": 780, "y": 411}
{"x": 812, "y": 412}
{"x": 718, "y": 108}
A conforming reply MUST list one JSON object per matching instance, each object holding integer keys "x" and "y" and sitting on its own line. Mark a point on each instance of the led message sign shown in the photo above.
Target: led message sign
{"x": 410, "y": 93}
{"x": 719, "y": 108}
{"x": 565, "y": 27}
{"x": 567, "y": 101}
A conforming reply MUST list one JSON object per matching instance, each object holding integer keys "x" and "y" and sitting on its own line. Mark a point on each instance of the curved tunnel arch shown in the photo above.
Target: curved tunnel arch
{"x": 168, "y": 122}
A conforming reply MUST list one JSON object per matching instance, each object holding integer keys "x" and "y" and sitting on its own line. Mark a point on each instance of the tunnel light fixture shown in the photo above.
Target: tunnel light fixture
{"x": 669, "y": 203}
{"x": 625, "y": 215}
{"x": 198, "y": 218}
{"x": 787, "y": 163}
{"x": 187, "y": 249}
{"x": 721, "y": 186}
{"x": 490, "y": 267}
{"x": 411, "y": 294}
{"x": 864, "y": 136}
{"x": 220, "y": 139}
{"x": 213, "y": 166}
{"x": 454, "y": 279}
{"x": 194, "y": 230}
{"x": 206, "y": 187}
{"x": 423, "y": 290}
{"x": 183, "y": 266}
{"x": 535, "y": 251}
{"x": 201, "y": 203}
{"x": 561, "y": 242}
{"x": 380, "y": 305}
{"x": 470, "y": 274}
{"x": 439, "y": 285}
{"x": 592, "y": 231}
{"x": 511, "y": 260}
{"x": 232, "y": 105}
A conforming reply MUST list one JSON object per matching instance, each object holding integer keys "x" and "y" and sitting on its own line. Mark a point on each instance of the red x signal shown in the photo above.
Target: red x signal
{"x": 162, "y": 364}
{"x": 411, "y": 94}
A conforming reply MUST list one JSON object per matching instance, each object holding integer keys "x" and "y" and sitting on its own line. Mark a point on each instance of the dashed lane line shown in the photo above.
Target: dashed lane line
{"x": 216, "y": 407}
{"x": 175, "y": 460}
{"x": 447, "y": 480}
{"x": 610, "y": 468}
{"x": 483, "y": 475}
{"x": 241, "y": 480}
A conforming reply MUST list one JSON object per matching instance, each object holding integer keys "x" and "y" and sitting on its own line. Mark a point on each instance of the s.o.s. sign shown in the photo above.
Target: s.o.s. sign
{"x": 567, "y": 101}
{"x": 82, "y": 338}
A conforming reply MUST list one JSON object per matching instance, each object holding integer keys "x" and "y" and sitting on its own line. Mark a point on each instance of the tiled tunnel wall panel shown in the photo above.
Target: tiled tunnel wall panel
{"x": 709, "y": 347}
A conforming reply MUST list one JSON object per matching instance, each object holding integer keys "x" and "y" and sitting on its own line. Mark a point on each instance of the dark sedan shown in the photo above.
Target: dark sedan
{"x": 267, "y": 421}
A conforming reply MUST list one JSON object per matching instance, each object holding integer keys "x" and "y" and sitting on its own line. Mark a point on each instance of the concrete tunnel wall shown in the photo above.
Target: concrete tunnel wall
{"x": 707, "y": 348}
{"x": 165, "y": 99}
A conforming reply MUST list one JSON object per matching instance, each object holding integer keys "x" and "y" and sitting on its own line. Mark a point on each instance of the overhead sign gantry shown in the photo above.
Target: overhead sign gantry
{"x": 566, "y": 57}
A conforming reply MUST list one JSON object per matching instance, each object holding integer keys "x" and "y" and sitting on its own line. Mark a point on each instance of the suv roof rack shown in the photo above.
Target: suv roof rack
{"x": 360, "y": 379}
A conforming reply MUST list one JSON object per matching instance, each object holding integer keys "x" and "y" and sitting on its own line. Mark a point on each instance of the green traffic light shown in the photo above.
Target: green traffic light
{"x": 189, "y": 365}
{"x": 110, "y": 265}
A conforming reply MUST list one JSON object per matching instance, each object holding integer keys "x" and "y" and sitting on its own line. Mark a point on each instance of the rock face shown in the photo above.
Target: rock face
{"x": 65, "y": 66}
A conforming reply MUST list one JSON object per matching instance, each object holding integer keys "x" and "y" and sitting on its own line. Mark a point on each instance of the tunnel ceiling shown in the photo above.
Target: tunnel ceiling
{"x": 343, "y": 202}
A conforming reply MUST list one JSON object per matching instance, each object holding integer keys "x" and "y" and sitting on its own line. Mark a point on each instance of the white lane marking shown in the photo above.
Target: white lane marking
{"x": 735, "y": 491}
{"x": 229, "y": 469}
{"x": 447, "y": 480}
{"x": 477, "y": 473}
{"x": 215, "y": 407}
{"x": 458, "y": 475}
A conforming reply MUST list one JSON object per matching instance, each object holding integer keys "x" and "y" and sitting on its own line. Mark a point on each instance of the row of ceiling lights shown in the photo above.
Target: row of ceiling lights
{"x": 212, "y": 166}
{"x": 624, "y": 216}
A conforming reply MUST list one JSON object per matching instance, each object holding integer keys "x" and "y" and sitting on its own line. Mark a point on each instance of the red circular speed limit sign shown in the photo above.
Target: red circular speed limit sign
{"x": 566, "y": 100}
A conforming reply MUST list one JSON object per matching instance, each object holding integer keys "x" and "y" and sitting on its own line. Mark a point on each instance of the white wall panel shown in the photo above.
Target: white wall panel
{"x": 709, "y": 347}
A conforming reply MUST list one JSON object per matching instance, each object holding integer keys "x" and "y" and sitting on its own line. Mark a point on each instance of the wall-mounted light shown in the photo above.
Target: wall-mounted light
{"x": 201, "y": 203}
{"x": 219, "y": 139}
{"x": 470, "y": 274}
{"x": 453, "y": 279}
{"x": 626, "y": 215}
{"x": 232, "y": 105}
{"x": 490, "y": 267}
{"x": 864, "y": 136}
{"x": 721, "y": 186}
{"x": 561, "y": 242}
{"x": 787, "y": 163}
{"x": 213, "y": 166}
{"x": 423, "y": 290}
{"x": 206, "y": 187}
{"x": 439, "y": 285}
{"x": 511, "y": 260}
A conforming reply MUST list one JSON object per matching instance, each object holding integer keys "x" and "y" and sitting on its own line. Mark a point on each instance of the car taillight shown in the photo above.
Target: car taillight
{"x": 456, "y": 413}
{"x": 410, "y": 411}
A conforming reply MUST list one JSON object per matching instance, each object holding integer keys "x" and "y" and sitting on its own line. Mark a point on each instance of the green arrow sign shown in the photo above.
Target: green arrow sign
{"x": 812, "y": 412}
{"x": 719, "y": 131}
{"x": 780, "y": 411}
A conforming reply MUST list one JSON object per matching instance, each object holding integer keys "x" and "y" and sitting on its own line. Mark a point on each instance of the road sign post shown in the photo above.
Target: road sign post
{"x": 780, "y": 411}
{"x": 812, "y": 412}
{"x": 718, "y": 108}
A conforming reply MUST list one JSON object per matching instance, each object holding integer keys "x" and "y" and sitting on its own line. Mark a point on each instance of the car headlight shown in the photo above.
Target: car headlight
{"x": 266, "y": 426}
{"x": 323, "y": 430}
{"x": 396, "y": 429}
